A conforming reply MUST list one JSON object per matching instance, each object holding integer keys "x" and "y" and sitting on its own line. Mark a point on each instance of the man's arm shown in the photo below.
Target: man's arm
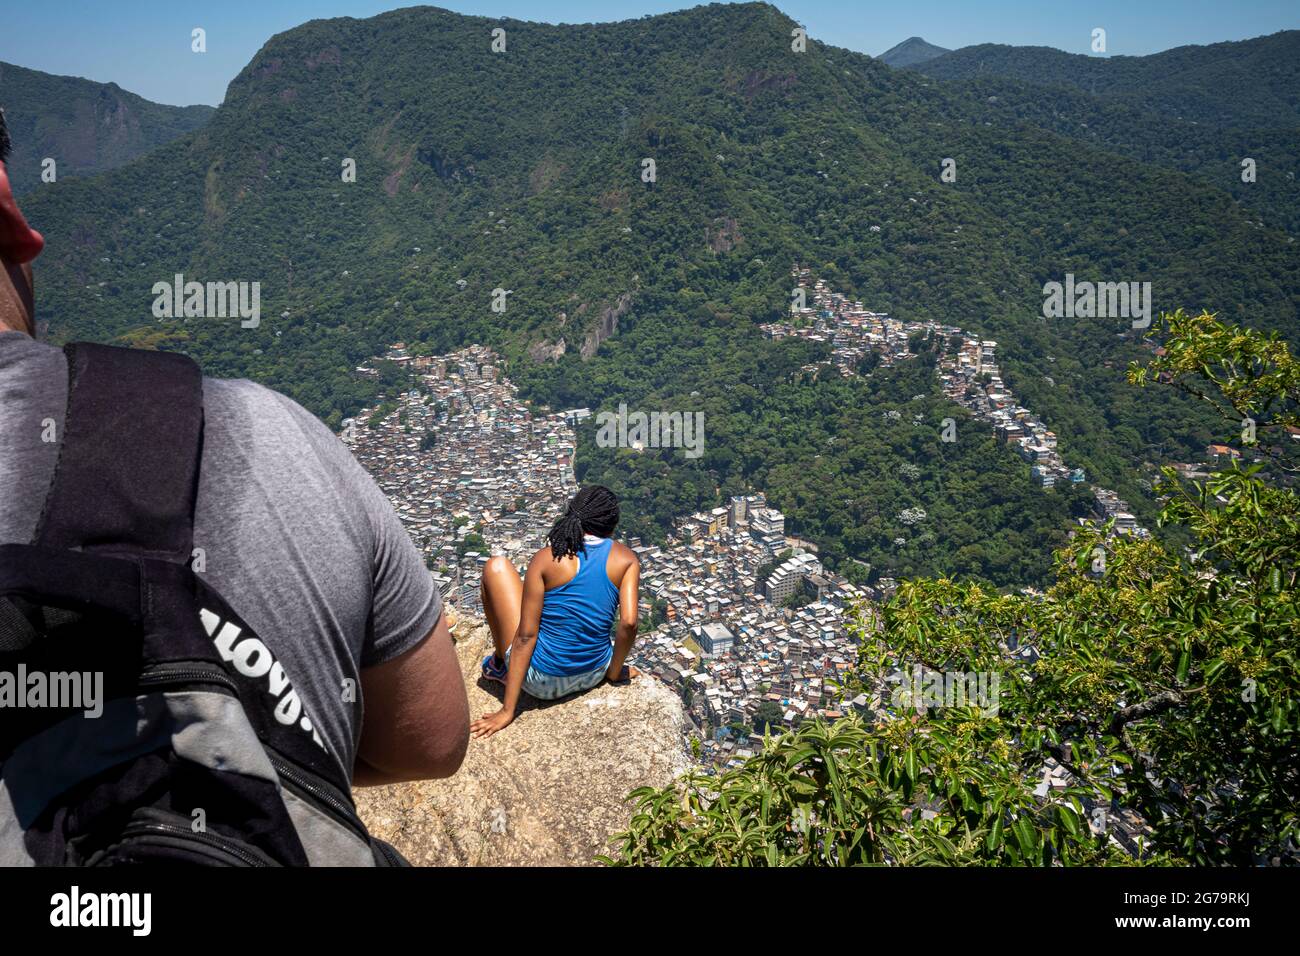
{"x": 628, "y": 619}
{"x": 416, "y": 722}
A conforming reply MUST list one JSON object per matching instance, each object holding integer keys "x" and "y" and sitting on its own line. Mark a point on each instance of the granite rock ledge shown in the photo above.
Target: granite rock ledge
{"x": 549, "y": 789}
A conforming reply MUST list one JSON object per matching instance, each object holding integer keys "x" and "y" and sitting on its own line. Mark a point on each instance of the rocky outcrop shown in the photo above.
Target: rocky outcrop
{"x": 549, "y": 789}
{"x": 607, "y": 325}
{"x": 546, "y": 352}
{"x": 724, "y": 235}
{"x": 760, "y": 81}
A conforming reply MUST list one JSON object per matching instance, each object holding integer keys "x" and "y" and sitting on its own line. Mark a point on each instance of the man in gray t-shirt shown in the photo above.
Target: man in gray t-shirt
{"x": 294, "y": 534}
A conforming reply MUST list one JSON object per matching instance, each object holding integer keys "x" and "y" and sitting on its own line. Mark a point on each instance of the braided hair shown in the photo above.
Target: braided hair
{"x": 593, "y": 510}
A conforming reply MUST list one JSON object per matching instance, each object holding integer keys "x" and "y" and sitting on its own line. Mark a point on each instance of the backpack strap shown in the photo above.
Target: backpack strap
{"x": 127, "y": 476}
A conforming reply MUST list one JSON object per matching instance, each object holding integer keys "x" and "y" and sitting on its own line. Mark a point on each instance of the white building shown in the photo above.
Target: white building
{"x": 714, "y": 638}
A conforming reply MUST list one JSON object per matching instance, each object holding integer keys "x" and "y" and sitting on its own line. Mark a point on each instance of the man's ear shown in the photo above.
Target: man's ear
{"x": 19, "y": 242}
{"x": 19, "y": 245}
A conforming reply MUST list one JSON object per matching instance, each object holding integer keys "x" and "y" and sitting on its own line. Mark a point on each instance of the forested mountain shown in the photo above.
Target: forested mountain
{"x": 1198, "y": 109}
{"x": 85, "y": 127}
{"x": 524, "y": 170}
{"x": 910, "y": 52}
{"x": 1243, "y": 83}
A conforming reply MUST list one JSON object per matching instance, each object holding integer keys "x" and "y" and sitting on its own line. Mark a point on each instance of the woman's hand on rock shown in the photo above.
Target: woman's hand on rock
{"x": 626, "y": 673}
{"x": 489, "y": 724}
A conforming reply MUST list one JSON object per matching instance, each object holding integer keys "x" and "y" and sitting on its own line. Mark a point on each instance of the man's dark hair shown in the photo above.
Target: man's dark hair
{"x": 5, "y": 144}
{"x": 593, "y": 510}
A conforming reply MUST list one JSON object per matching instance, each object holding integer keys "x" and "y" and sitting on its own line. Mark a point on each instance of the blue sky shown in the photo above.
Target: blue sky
{"x": 144, "y": 45}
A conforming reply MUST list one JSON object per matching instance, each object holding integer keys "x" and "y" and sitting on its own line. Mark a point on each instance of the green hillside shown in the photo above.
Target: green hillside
{"x": 1244, "y": 83}
{"x": 522, "y": 171}
{"x": 86, "y": 127}
{"x": 1199, "y": 110}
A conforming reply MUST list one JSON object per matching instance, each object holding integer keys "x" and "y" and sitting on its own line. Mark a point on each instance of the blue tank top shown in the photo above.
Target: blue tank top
{"x": 573, "y": 636}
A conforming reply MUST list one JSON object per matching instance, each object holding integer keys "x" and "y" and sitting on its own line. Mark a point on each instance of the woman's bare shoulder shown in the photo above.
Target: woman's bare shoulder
{"x": 623, "y": 554}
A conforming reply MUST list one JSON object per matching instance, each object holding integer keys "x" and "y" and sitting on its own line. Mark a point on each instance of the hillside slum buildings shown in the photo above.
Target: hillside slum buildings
{"x": 494, "y": 470}
{"x": 732, "y": 639}
{"x": 969, "y": 377}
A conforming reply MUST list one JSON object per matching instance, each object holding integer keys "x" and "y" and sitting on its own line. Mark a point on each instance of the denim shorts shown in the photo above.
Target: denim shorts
{"x": 551, "y": 686}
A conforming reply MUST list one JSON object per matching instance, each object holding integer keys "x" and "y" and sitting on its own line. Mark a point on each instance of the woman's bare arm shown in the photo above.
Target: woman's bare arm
{"x": 628, "y": 619}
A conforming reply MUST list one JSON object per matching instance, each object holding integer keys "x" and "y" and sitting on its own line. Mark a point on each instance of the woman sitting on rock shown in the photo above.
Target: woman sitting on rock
{"x": 552, "y": 629}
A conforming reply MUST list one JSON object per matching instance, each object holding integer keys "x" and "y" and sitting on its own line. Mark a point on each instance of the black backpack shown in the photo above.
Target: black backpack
{"x": 201, "y": 750}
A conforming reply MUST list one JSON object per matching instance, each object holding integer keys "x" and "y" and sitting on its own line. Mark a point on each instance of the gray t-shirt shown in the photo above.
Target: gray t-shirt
{"x": 296, "y": 536}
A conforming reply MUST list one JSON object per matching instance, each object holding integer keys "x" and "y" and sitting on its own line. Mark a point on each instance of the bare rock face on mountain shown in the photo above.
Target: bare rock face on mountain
{"x": 549, "y": 789}
{"x": 546, "y": 352}
{"x": 607, "y": 325}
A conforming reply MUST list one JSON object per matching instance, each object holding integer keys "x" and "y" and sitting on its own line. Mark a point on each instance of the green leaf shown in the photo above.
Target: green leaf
{"x": 994, "y": 839}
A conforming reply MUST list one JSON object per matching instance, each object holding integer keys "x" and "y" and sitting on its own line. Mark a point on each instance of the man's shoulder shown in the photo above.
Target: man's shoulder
{"x": 245, "y": 392}
{"x": 270, "y": 433}
{"x": 251, "y": 406}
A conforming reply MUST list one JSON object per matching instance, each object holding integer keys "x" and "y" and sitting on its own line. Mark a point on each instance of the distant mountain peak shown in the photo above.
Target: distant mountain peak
{"x": 87, "y": 127}
{"x": 911, "y": 51}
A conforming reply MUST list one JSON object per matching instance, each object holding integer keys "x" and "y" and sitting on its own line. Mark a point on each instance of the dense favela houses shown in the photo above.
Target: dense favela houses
{"x": 732, "y": 639}
{"x": 471, "y": 470}
{"x": 740, "y": 619}
{"x": 968, "y": 375}
{"x": 737, "y": 613}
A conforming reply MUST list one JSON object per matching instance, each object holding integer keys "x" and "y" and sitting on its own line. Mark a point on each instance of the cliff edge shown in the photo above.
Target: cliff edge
{"x": 549, "y": 789}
